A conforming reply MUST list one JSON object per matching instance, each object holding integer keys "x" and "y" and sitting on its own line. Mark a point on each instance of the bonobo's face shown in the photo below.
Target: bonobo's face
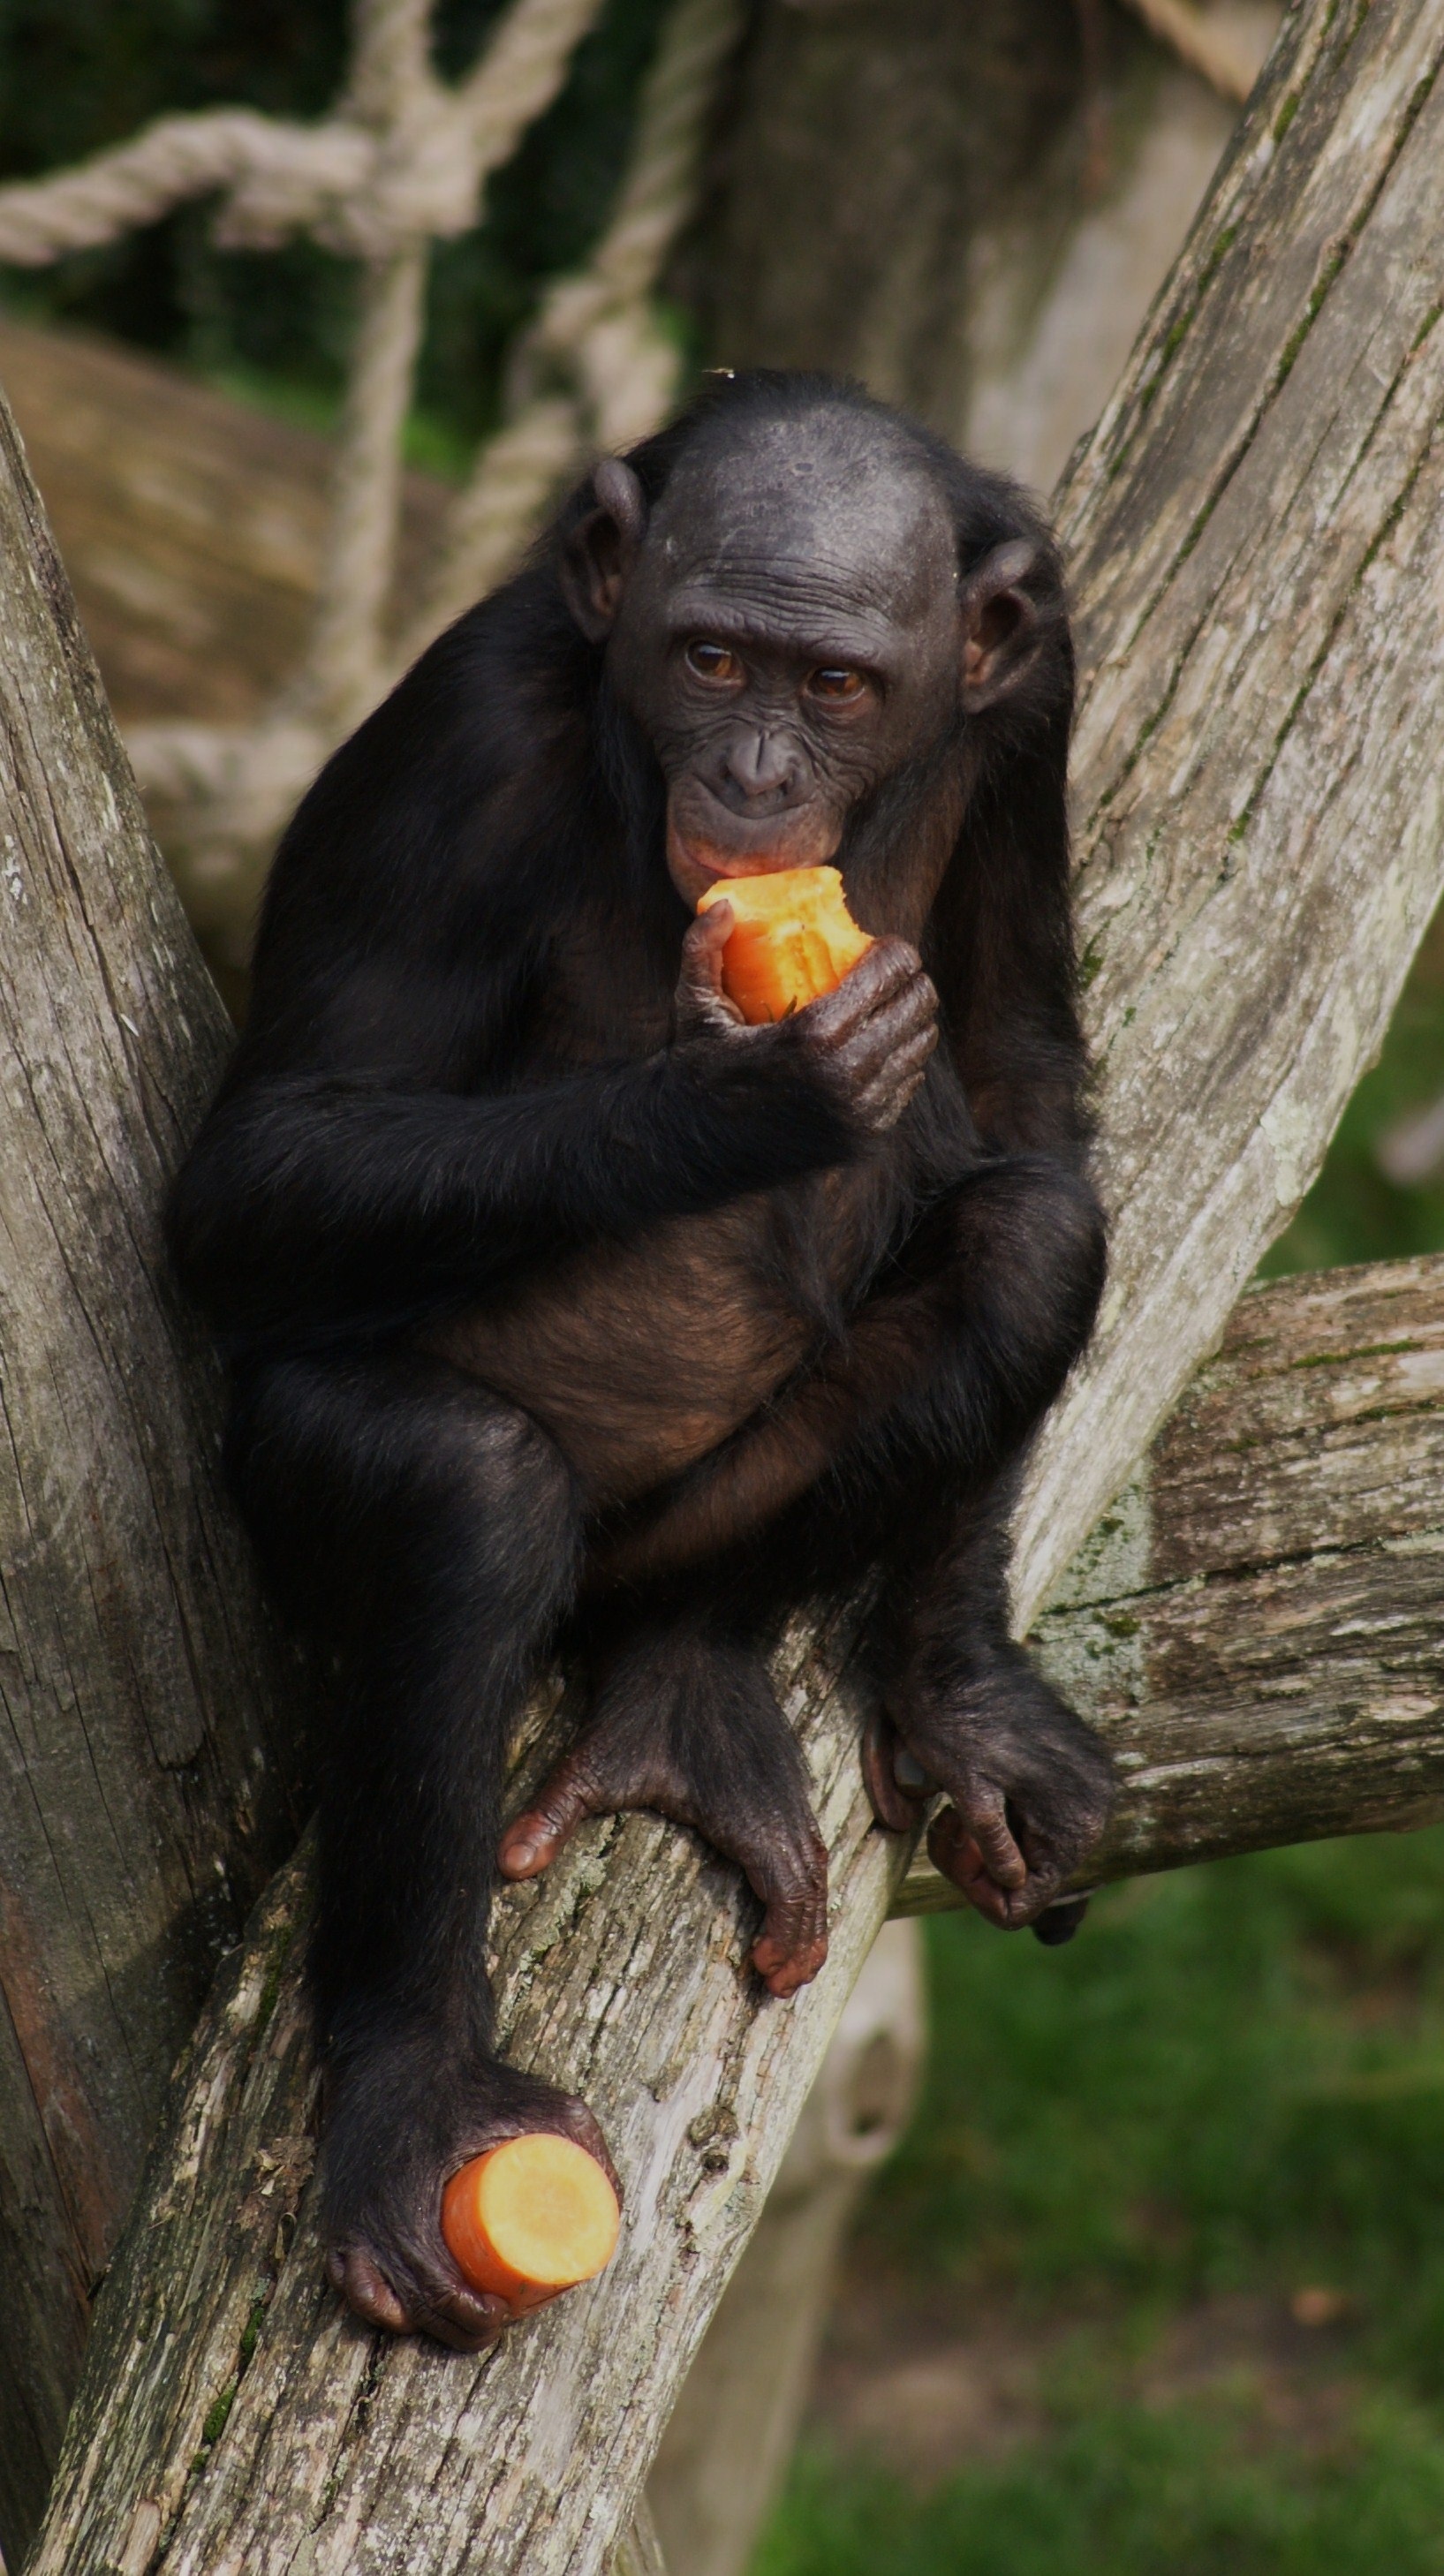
{"x": 789, "y": 628}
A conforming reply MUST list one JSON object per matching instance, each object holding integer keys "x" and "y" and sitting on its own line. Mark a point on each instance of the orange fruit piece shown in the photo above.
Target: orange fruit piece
{"x": 792, "y": 939}
{"x": 531, "y": 2217}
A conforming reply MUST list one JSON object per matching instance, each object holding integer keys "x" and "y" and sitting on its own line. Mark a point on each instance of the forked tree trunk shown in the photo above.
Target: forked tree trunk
{"x": 143, "y": 1788}
{"x": 1255, "y": 1623}
{"x": 1257, "y": 536}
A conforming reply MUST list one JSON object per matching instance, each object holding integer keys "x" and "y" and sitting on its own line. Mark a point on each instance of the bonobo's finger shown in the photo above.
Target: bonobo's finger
{"x": 880, "y": 1103}
{"x": 907, "y": 1017}
{"x": 904, "y": 1017}
{"x": 700, "y": 1001}
{"x": 566, "y": 1798}
{"x": 888, "y": 967}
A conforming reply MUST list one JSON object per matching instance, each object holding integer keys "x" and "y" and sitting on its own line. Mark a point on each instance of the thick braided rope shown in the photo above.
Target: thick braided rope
{"x": 177, "y": 158}
{"x": 405, "y": 158}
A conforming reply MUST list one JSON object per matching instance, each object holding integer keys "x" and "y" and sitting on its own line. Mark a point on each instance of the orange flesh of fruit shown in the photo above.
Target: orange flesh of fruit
{"x": 533, "y": 2216}
{"x": 793, "y": 939}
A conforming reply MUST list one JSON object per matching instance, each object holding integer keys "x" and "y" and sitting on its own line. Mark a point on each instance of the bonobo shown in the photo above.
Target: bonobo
{"x": 565, "y": 1309}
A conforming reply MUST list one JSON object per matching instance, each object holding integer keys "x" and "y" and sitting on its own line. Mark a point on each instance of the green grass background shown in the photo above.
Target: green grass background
{"x": 1232, "y": 2082}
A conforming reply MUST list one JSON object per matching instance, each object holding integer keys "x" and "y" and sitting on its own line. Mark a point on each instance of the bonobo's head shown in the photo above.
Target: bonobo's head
{"x": 792, "y": 616}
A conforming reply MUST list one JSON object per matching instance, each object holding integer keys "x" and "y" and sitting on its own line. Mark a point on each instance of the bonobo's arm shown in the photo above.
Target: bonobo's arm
{"x": 352, "y": 1192}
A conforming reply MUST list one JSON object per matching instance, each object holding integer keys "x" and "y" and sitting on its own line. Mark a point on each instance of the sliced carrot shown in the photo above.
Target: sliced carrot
{"x": 792, "y": 939}
{"x": 533, "y": 2216}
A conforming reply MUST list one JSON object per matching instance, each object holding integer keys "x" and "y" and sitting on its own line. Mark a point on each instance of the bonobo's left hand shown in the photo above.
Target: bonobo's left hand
{"x": 1029, "y": 1786}
{"x": 866, "y": 1044}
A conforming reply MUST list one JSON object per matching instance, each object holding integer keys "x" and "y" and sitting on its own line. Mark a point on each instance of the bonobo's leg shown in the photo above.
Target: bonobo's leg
{"x": 684, "y": 1721}
{"x": 427, "y": 1533}
{"x": 924, "y": 1484}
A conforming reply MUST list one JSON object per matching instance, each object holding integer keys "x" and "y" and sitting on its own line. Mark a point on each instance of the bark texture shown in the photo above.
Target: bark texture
{"x": 1255, "y": 1623}
{"x": 192, "y": 529}
{"x": 1255, "y": 534}
{"x": 142, "y": 1784}
{"x": 1258, "y": 538}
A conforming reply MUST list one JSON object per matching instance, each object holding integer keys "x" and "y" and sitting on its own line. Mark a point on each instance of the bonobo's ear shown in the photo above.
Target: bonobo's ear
{"x": 598, "y": 555}
{"x": 1002, "y": 622}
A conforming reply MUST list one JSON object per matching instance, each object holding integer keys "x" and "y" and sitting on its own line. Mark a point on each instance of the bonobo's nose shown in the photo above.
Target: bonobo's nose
{"x": 758, "y": 766}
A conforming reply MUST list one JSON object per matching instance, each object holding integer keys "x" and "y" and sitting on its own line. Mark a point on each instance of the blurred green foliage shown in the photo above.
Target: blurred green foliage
{"x": 1353, "y": 1213}
{"x": 1125, "y": 2493}
{"x": 75, "y": 77}
{"x": 1232, "y": 2082}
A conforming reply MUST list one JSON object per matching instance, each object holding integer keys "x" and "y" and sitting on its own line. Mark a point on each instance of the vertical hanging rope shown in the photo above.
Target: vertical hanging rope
{"x": 594, "y": 372}
{"x": 343, "y": 664}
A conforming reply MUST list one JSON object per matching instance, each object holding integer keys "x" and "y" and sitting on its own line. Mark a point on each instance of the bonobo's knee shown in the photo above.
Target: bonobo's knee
{"x": 370, "y": 1483}
{"x": 1032, "y": 1259}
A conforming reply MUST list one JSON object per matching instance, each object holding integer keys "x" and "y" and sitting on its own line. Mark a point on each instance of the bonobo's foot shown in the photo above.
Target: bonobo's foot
{"x": 688, "y": 1726}
{"x": 401, "y": 2116}
{"x": 1029, "y": 1786}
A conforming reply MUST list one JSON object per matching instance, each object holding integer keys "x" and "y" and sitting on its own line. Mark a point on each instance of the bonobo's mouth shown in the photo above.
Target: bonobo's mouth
{"x": 723, "y": 844}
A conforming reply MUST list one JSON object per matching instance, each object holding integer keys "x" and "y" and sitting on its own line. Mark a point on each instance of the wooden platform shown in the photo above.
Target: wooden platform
{"x": 191, "y": 525}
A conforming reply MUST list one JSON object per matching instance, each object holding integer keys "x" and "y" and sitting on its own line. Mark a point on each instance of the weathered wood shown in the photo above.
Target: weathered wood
{"x": 191, "y": 526}
{"x": 1255, "y": 1625}
{"x": 1255, "y": 533}
{"x": 1259, "y": 535}
{"x": 142, "y": 1783}
{"x": 725, "y": 2452}
{"x": 396, "y": 2455}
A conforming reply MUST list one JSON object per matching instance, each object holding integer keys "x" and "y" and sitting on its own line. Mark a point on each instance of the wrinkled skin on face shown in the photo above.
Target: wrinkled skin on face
{"x": 789, "y": 630}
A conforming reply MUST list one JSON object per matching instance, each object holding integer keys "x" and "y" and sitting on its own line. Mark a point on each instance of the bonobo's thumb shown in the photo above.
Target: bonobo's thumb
{"x": 700, "y": 1000}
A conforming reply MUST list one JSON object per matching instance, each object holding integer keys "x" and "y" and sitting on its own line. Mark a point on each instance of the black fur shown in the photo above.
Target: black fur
{"x": 459, "y": 1085}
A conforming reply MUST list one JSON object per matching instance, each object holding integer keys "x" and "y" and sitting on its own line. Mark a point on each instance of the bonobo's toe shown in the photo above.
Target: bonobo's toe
{"x": 792, "y": 1944}
{"x": 466, "y": 2320}
{"x": 689, "y": 1726}
{"x": 1028, "y": 1788}
{"x": 1061, "y": 1921}
{"x": 897, "y": 1786}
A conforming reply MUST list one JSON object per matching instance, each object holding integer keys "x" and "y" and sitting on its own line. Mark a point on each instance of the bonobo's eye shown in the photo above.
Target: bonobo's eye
{"x": 838, "y": 685}
{"x": 713, "y": 661}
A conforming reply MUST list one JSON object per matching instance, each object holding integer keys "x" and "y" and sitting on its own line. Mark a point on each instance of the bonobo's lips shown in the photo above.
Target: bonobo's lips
{"x": 697, "y": 856}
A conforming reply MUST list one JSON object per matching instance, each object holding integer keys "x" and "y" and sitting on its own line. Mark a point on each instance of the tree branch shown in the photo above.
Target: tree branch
{"x": 1257, "y": 534}
{"x": 1254, "y": 1626}
{"x": 145, "y": 1786}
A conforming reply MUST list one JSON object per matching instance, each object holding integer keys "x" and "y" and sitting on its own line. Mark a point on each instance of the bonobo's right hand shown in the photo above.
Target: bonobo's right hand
{"x": 868, "y": 1043}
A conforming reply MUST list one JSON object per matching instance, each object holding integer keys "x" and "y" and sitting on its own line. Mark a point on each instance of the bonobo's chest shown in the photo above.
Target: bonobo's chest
{"x": 603, "y": 995}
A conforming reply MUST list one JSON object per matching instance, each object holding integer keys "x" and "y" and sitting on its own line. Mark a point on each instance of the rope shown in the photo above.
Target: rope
{"x": 305, "y": 171}
{"x": 594, "y": 372}
{"x": 342, "y": 669}
{"x": 402, "y": 162}
{"x": 407, "y": 158}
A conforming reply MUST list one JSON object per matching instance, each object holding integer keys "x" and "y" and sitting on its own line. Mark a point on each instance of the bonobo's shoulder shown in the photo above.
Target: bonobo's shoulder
{"x": 410, "y": 900}
{"x": 445, "y": 780}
